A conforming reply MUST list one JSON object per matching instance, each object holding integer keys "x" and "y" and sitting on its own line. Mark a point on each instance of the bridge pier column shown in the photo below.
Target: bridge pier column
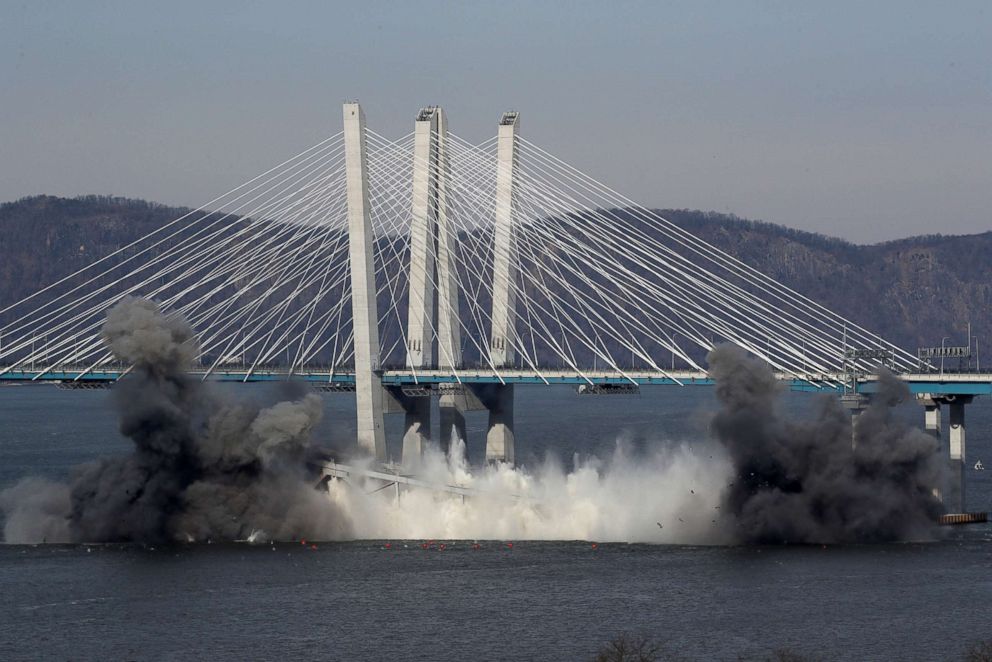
{"x": 416, "y": 429}
{"x": 452, "y": 421}
{"x": 955, "y": 492}
{"x": 855, "y": 403}
{"x": 365, "y": 314}
{"x": 931, "y": 423}
{"x": 416, "y": 409}
{"x": 498, "y": 399}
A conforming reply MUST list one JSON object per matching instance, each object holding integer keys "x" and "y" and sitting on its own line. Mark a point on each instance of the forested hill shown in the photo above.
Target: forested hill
{"x": 912, "y": 291}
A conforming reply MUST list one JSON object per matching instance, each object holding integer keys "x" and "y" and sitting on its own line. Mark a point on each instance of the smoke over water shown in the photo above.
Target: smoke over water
{"x": 208, "y": 467}
{"x": 801, "y": 481}
{"x": 202, "y": 467}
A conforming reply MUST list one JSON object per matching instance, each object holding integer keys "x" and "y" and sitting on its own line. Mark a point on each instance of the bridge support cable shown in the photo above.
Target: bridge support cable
{"x": 471, "y": 208}
{"x": 592, "y": 305}
{"x": 579, "y": 214}
{"x": 554, "y": 272}
{"x": 611, "y": 272}
{"x": 478, "y": 249}
{"x": 523, "y": 296}
{"x": 219, "y": 201}
{"x": 182, "y": 247}
{"x": 288, "y": 263}
{"x": 758, "y": 280}
{"x": 186, "y": 269}
{"x": 284, "y": 262}
{"x": 659, "y": 271}
{"x": 467, "y": 266}
{"x": 77, "y": 302}
{"x": 391, "y": 224}
{"x": 687, "y": 303}
{"x": 583, "y": 303}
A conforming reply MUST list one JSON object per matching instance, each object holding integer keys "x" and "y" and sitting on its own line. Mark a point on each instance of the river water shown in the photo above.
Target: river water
{"x": 535, "y": 601}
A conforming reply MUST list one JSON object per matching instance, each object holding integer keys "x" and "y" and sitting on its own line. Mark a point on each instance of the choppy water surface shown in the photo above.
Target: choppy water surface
{"x": 538, "y": 600}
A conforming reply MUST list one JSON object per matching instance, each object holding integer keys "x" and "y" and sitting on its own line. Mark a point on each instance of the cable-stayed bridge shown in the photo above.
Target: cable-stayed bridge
{"x": 432, "y": 266}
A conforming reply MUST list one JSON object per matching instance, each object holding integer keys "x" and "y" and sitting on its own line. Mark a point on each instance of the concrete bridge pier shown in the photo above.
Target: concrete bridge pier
{"x": 953, "y": 492}
{"x": 452, "y": 420}
{"x": 416, "y": 411}
{"x": 855, "y": 403}
{"x": 954, "y": 496}
{"x": 931, "y": 423}
{"x": 498, "y": 399}
{"x": 416, "y": 429}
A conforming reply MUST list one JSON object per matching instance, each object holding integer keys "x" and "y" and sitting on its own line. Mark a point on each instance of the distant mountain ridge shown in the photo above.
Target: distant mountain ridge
{"x": 911, "y": 291}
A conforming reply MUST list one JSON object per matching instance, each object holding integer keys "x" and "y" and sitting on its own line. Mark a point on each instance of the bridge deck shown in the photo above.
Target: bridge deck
{"x": 949, "y": 383}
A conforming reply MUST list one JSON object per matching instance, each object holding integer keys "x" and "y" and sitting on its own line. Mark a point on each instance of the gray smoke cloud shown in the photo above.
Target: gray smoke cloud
{"x": 203, "y": 466}
{"x": 802, "y": 482}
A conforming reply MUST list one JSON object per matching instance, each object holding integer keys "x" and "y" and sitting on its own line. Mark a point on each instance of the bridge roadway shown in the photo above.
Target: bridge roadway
{"x": 947, "y": 383}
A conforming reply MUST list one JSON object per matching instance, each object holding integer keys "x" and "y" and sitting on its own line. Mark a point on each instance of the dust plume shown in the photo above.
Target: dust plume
{"x": 202, "y": 467}
{"x": 800, "y": 481}
{"x": 669, "y": 493}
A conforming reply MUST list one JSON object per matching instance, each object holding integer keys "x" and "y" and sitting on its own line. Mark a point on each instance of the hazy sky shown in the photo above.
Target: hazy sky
{"x": 863, "y": 120}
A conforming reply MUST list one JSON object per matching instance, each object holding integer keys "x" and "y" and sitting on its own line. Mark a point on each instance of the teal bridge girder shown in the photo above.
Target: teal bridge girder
{"x": 948, "y": 383}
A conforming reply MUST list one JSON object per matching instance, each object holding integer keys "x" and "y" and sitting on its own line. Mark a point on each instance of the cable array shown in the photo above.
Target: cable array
{"x": 601, "y": 283}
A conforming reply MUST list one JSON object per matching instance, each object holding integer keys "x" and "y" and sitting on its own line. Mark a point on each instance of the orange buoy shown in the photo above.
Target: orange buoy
{"x": 313, "y": 547}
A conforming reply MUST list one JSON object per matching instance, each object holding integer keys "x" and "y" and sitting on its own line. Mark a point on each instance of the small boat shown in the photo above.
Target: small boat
{"x": 979, "y": 466}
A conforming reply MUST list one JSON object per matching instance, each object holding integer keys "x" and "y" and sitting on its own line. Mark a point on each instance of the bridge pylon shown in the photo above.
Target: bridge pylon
{"x": 449, "y": 340}
{"x": 364, "y": 307}
{"x": 433, "y": 285}
{"x": 499, "y": 438}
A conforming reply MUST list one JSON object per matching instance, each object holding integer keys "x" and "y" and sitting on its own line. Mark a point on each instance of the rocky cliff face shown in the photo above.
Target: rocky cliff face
{"x": 912, "y": 291}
